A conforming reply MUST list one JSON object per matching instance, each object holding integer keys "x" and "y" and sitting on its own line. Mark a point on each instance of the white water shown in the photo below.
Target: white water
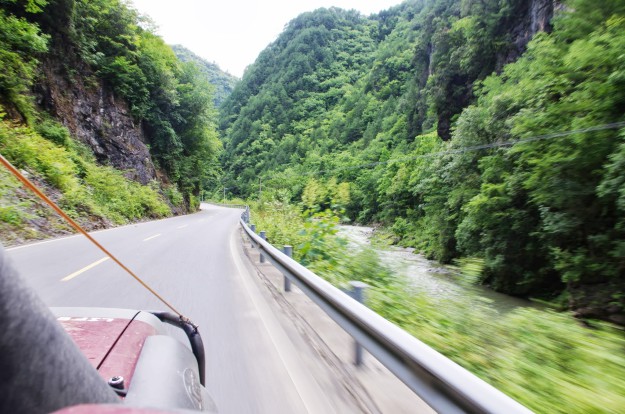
{"x": 436, "y": 280}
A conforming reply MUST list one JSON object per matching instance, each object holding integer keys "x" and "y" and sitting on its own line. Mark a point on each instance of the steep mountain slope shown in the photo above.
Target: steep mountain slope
{"x": 415, "y": 64}
{"x": 418, "y": 122}
{"x": 223, "y": 82}
{"x": 293, "y": 83}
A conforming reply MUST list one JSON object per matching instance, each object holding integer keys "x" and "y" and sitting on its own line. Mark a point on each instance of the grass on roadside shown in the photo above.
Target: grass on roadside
{"x": 86, "y": 190}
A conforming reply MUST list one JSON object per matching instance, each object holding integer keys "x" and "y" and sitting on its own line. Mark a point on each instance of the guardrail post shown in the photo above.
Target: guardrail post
{"x": 358, "y": 293}
{"x": 288, "y": 250}
{"x": 253, "y": 227}
{"x": 263, "y": 235}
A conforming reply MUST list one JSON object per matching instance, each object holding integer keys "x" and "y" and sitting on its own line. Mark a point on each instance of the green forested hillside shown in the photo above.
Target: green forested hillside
{"x": 273, "y": 111}
{"x": 171, "y": 99}
{"x": 88, "y": 68}
{"x": 223, "y": 82}
{"x": 416, "y": 110}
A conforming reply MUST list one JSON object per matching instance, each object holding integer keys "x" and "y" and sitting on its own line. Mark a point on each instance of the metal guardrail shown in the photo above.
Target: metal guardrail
{"x": 229, "y": 205}
{"x": 245, "y": 215}
{"x": 441, "y": 383}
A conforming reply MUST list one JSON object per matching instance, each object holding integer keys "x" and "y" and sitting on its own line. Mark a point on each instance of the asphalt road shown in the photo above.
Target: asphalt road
{"x": 196, "y": 263}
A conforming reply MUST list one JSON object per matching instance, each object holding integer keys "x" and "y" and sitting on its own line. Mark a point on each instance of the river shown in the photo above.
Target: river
{"x": 436, "y": 280}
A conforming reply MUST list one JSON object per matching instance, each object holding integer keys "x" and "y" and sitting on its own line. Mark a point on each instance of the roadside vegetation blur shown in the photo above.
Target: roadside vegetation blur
{"x": 547, "y": 360}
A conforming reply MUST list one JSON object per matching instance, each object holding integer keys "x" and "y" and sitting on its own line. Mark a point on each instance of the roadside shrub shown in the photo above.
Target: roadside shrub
{"x": 11, "y": 215}
{"x": 55, "y": 132}
{"x": 121, "y": 199}
{"x": 174, "y": 196}
{"x": 28, "y": 150}
{"x": 283, "y": 223}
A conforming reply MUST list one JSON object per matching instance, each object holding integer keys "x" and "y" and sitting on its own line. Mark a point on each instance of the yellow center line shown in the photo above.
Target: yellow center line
{"x": 84, "y": 269}
{"x": 152, "y": 237}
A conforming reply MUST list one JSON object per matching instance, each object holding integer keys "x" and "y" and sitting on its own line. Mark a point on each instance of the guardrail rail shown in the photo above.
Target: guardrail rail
{"x": 441, "y": 383}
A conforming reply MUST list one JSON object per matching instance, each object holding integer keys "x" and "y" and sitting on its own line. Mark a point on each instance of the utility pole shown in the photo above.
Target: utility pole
{"x": 224, "y": 194}
{"x": 260, "y": 187}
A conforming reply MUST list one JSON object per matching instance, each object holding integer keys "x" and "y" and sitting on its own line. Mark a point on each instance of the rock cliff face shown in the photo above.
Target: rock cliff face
{"x": 89, "y": 109}
{"x": 530, "y": 18}
{"x": 537, "y": 18}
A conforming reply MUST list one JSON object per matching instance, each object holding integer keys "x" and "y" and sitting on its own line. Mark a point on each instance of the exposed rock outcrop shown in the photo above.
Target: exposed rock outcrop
{"x": 538, "y": 15}
{"x": 529, "y": 18}
{"x": 88, "y": 108}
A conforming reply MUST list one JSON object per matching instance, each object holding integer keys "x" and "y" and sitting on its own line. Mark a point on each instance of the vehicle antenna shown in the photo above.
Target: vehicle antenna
{"x": 78, "y": 228}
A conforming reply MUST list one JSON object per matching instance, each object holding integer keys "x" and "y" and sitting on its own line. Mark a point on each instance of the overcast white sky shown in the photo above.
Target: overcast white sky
{"x": 232, "y": 33}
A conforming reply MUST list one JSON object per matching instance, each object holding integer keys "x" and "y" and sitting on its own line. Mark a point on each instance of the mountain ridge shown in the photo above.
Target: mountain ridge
{"x": 223, "y": 82}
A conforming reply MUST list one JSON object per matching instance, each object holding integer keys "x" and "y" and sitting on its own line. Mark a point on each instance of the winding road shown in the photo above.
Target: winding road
{"x": 197, "y": 263}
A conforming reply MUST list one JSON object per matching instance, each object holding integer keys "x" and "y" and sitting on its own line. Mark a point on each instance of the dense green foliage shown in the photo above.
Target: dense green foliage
{"x": 172, "y": 98}
{"x": 547, "y": 361}
{"x": 86, "y": 190}
{"x": 335, "y": 78}
{"x": 412, "y": 121}
{"x": 548, "y": 211}
{"x": 103, "y": 42}
{"x": 272, "y": 112}
{"x": 20, "y": 43}
{"x": 222, "y": 82}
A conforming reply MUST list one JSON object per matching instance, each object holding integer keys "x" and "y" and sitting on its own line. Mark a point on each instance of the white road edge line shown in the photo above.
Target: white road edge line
{"x": 84, "y": 269}
{"x": 62, "y": 238}
{"x": 54, "y": 240}
{"x": 308, "y": 389}
{"x": 152, "y": 237}
{"x": 182, "y": 227}
{"x": 42, "y": 242}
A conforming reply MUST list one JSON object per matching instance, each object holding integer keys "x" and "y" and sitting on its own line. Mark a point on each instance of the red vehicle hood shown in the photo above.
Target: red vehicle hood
{"x": 111, "y": 341}
{"x": 94, "y": 336}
